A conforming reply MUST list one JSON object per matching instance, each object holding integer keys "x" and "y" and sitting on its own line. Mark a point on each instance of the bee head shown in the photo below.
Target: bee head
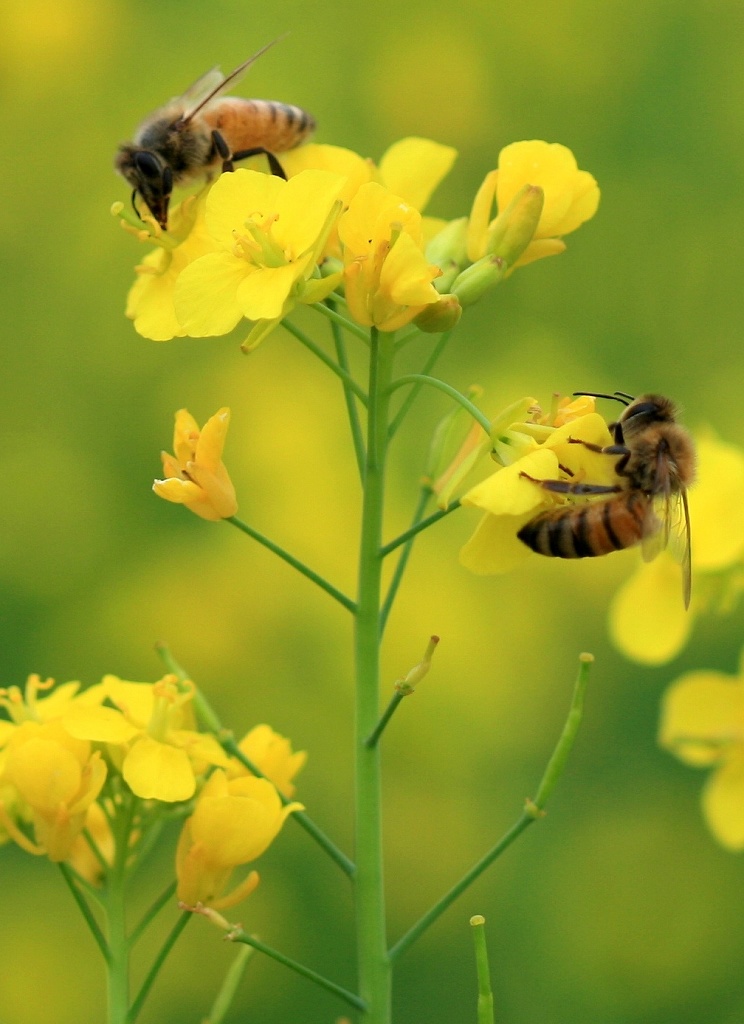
{"x": 150, "y": 177}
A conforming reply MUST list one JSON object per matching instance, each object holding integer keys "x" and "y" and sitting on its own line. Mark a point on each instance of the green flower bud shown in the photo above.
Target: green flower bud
{"x": 439, "y": 316}
{"x": 476, "y": 280}
{"x": 513, "y": 230}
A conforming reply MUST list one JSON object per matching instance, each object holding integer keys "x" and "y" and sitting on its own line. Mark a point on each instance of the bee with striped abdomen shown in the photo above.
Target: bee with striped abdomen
{"x": 656, "y": 465}
{"x": 202, "y": 132}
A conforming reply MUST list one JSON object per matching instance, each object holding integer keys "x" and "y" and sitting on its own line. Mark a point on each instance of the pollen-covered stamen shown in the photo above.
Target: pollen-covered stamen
{"x": 257, "y": 246}
{"x": 167, "y": 695}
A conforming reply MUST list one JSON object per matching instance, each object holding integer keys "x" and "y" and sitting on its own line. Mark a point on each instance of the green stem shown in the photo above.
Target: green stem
{"x": 294, "y": 562}
{"x": 208, "y": 719}
{"x": 118, "y": 966}
{"x": 238, "y": 935}
{"x": 387, "y": 714}
{"x": 87, "y": 913}
{"x": 348, "y": 325}
{"x": 447, "y": 389}
{"x": 533, "y": 810}
{"x": 374, "y": 967}
{"x": 157, "y": 963}
{"x": 351, "y": 408}
{"x": 165, "y": 897}
{"x": 229, "y": 986}
{"x": 485, "y": 994}
{"x": 424, "y": 524}
{"x": 415, "y": 390}
{"x": 341, "y": 372}
{"x": 400, "y": 568}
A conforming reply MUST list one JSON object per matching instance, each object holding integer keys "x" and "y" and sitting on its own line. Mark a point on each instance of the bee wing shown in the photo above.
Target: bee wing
{"x": 668, "y": 523}
{"x": 214, "y": 83}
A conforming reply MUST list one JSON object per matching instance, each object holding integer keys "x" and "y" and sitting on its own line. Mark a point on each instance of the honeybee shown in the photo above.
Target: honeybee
{"x": 656, "y": 458}
{"x": 201, "y": 132}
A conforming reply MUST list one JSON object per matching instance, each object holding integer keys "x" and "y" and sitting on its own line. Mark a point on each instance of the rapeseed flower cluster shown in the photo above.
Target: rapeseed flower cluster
{"x": 65, "y": 754}
{"x": 253, "y": 247}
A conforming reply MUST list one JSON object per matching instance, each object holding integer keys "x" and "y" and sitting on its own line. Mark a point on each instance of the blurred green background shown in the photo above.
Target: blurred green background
{"x": 619, "y": 907}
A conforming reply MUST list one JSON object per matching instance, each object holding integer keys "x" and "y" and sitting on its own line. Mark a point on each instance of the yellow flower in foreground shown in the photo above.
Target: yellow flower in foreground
{"x": 272, "y": 754}
{"x": 234, "y": 822}
{"x": 196, "y": 476}
{"x": 269, "y": 235}
{"x": 150, "y": 299}
{"x": 702, "y": 723}
{"x": 387, "y": 277}
{"x": 571, "y": 197}
{"x": 509, "y": 500}
{"x": 148, "y": 734}
{"x": 648, "y": 621}
{"x": 57, "y": 777}
{"x": 411, "y": 168}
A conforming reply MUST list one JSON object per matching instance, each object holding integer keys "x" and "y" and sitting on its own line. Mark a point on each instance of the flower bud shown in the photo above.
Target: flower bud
{"x": 439, "y": 316}
{"x": 474, "y": 282}
{"x": 513, "y": 230}
{"x": 409, "y": 683}
{"x": 448, "y": 246}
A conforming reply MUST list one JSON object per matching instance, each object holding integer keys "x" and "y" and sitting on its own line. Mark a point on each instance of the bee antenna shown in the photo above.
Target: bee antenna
{"x": 619, "y": 396}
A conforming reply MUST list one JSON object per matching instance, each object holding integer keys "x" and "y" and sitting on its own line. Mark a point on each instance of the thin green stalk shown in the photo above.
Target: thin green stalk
{"x": 400, "y": 568}
{"x": 238, "y": 935}
{"x": 229, "y": 986}
{"x": 447, "y": 389}
{"x": 485, "y": 994}
{"x": 415, "y": 390}
{"x": 348, "y": 325}
{"x": 387, "y": 714}
{"x": 424, "y": 524}
{"x": 534, "y": 809}
{"x": 341, "y": 372}
{"x": 353, "y": 413}
{"x": 157, "y": 964}
{"x": 94, "y": 849}
{"x": 207, "y": 717}
{"x": 87, "y": 913}
{"x": 373, "y": 963}
{"x": 118, "y": 966}
{"x": 294, "y": 562}
{"x": 165, "y": 897}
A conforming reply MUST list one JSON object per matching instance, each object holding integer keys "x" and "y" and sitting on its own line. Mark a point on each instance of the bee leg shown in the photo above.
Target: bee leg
{"x": 274, "y": 166}
{"x": 565, "y": 487}
{"x": 611, "y": 449}
{"x": 222, "y": 149}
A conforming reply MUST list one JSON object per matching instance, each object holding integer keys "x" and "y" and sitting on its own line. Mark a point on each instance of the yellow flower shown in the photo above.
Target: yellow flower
{"x": 196, "y": 476}
{"x": 648, "y": 621}
{"x": 269, "y": 235}
{"x": 571, "y": 197}
{"x": 387, "y": 277}
{"x": 509, "y": 500}
{"x": 57, "y": 777}
{"x": 702, "y": 723}
{"x": 234, "y": 822}
{"x": 273, "y": 756}
{"x": 411, "y": 168}
{"x": 149, "y": 734}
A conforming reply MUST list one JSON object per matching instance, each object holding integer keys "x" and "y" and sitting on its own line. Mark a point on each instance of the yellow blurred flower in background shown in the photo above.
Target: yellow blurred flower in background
{"x": 387, "y": 277}
{"x": 196, "y": 476}
{"x": 234, "y": 822}
{"x": 702, "y": 723}
{"x": 648, "y": 621}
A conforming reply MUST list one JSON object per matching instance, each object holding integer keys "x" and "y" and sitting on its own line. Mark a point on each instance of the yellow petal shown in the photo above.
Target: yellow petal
{"x": 236, "y": 197}
{"x": 495, "y": 547}
{"x": 135, "y": 700}
{"x": 44, "y": 773}
{"x": 211, "y": 441}
{"x": 182, "y": 492}
{"x": 723, "y": 802}
{"x": 205, "y": 295}
{"x": 262, "y": 294}
{"x": 101, "y": 725}
{"x": 702, "y": 715}
{"x": 648, "y": 621}
{"x": 355, "y": 170}
{"x": 157, "y": 771}
{"x": 303, "y": 208}
{"x": 413, "y": 167}
{"x": 406, "y": 275}
{"x": 508, "y": 493}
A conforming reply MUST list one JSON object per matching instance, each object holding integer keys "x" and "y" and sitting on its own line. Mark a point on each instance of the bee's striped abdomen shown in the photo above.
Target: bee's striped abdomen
{"x": 246, "y": 124}
{"x": 583, "y": 531}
